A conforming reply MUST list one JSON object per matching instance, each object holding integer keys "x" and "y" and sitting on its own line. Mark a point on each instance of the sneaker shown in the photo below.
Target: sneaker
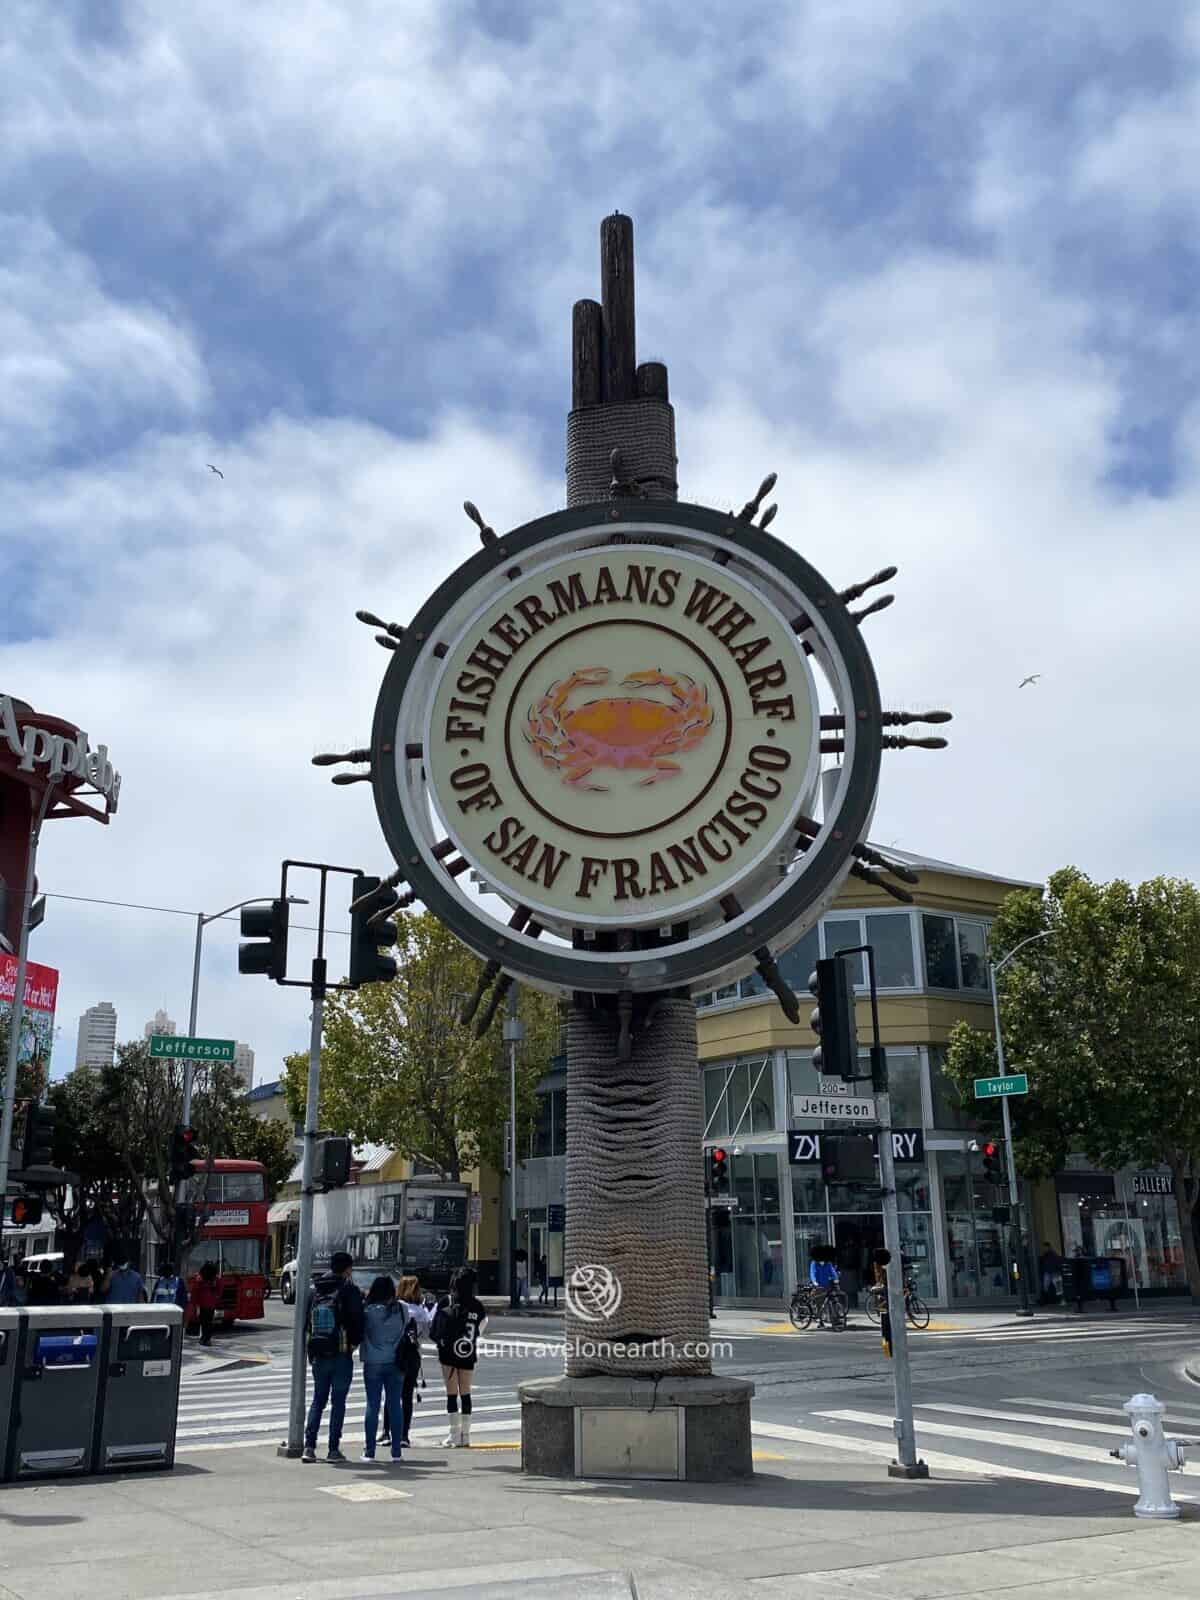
{"x": 308, "y": 1453}
{"x": 335, "y": 1455}
{"x": 450, "y": 1442}
{"x": 406, "y": 1443}
{"x": 368, "y": 1455}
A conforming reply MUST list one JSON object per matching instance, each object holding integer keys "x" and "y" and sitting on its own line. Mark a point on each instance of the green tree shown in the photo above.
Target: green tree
{"x": 399, "y": 1069}
{"x": 1104, "y": 1015}
{"x": 252, "y": 1138}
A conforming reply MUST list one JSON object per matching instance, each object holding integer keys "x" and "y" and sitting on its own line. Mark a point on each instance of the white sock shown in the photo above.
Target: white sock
{"x": 465, "y": 1430}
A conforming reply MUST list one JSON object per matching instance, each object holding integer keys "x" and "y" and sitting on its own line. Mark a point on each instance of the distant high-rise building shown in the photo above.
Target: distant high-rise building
{"x": 243, "y": 1064}
{"x": 159, "y": 1023}
{"x": 97, "y": 1036}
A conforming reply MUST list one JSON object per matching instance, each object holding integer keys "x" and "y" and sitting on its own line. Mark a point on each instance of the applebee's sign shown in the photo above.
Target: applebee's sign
{"x": 60, "y": 754}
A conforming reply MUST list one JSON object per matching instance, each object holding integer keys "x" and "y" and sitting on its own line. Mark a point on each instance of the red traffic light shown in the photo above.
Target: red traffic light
{"x": 25, "y": 1212}
{"x": 988, "y": 1150}
{"x": 188, "y": 1135}
{"x": 718, "y": 1154}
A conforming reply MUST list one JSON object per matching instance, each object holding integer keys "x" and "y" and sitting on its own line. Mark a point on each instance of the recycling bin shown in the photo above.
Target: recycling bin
{"x": 140, "y": 1388}
{"x": 56, "y": 1391}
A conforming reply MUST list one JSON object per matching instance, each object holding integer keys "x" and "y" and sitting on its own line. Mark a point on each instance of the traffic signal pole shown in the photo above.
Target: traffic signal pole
{"x": 304, "y": 1248}
{"x": 907, "y": 1463}
{"x": 17, "y": 1015}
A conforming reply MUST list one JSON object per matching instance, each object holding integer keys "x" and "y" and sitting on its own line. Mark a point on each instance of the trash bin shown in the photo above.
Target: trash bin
{"x": 140, "y": 1388}
{"x": 10, "y": 1328}
{"x": 56, "y": 1391}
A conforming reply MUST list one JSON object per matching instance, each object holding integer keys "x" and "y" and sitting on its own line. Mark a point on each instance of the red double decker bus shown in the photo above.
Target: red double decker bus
{"x": 230, "y": 1198}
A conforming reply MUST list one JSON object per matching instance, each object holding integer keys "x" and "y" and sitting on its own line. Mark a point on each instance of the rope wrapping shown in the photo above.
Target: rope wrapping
{"x": 643, "y": 431}
{"x": 634, "y": 1191}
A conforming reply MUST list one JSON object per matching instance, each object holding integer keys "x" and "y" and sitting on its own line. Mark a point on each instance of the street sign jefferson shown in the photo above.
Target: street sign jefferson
{"x": 992, "y": 1088}
{"x": 182, "y": 1044}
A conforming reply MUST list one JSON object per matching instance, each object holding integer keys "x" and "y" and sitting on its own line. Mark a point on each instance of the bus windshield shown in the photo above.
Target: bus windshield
{"x": 230, "y": 1255}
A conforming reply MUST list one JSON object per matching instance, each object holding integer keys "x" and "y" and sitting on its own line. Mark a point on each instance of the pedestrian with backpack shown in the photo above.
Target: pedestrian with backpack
{"x": 457, "y": 1325}
{"x": 408, "y": 1356}
{"x": 383, "y": 1335}
{"x": 334, "y": 1324}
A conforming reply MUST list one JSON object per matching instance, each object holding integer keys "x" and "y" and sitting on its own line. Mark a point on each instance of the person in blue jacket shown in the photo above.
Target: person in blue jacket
{"x": 383, "y": 1373}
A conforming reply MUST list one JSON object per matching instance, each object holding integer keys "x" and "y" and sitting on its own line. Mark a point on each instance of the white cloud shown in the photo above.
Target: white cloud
{"x": 74, "y": 359}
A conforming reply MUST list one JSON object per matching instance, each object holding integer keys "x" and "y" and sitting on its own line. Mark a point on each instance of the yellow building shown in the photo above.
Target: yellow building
{"x": 759, "y": 1083}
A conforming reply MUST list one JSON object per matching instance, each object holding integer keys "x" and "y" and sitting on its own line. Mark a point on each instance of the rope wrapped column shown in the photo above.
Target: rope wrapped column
{"x": 635, "y": 1204}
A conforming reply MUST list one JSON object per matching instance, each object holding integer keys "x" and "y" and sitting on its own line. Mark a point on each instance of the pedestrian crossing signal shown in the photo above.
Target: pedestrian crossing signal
{"x": 24, "y": 1212}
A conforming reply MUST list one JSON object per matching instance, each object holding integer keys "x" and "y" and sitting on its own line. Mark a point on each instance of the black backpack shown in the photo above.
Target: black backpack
{"x": 408, "y": 1351}
{"x": 326, "y": 1332}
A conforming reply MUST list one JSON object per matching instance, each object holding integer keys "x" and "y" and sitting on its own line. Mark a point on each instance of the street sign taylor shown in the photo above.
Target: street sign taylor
{"x": 182, "y": 1044}
{"x": 992, "y": 1088}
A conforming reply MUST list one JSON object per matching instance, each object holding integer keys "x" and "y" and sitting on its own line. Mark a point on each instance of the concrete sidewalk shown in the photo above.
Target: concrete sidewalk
{"x": 467, "y": 1526}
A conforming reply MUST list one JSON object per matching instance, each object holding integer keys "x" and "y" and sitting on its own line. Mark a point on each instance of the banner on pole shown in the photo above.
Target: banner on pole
{"x": 37, "y": 1018}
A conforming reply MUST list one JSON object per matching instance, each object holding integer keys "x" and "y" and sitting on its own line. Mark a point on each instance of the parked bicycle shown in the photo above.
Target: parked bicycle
{"x": 915, "y": 1309}
{"x": 827, "y": 1307}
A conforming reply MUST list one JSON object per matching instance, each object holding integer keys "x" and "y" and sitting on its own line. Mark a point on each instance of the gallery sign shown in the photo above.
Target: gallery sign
{"x": 908, "y": 1147}
{"x": 1153, "y": 1183}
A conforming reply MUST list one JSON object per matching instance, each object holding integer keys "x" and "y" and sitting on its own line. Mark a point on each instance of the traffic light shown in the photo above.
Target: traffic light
{"x": 269, "y": 923}
{"x": 848, "y": 1158}
{"x": 183, "y": 1151}
{"x": 371, "y": 908}
{"x": 833, "y": 1019}
{"x": 991, "y": 1155}
{"x": 332, "y": 1166}
{"x": 24, "y": 1212}
{"x": 39, "y": 1137}
{"x": 718, "y": 1171}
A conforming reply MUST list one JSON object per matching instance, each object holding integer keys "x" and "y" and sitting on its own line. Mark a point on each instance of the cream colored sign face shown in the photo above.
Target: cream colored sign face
{"x": 624, "y": 734}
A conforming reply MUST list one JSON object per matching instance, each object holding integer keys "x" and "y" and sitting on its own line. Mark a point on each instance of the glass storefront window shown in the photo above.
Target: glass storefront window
{"x": 843, "y": 934}
{"x": 716, "y": 1109}
{"x": 916, "y": 1244}
{"x": 972, "y": 953}
{"x": 742, "y": 1186}
{"x": 941, "y": 965}
{"x": 890, "y": 936}
{"x": 810, "y": 1230}
{"x": 766, "y": 1172}
{"x": 904, "y": 1083}
{"x": 797, "y": 964}
{"x": 808, "y": 1192}
{"x": 950, "y": 1111}
{"x": 802, "y": 1077}
{"x": 1147, "y": 1238}
{"x": 912, "y": 1187}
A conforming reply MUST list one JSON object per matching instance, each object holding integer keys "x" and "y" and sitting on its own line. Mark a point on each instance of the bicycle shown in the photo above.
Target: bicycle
{"x": 915, "y": 1309}
{"x": 828, "y": 1306}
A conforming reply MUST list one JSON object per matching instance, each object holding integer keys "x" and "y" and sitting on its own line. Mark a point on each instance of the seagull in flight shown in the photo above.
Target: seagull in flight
{"x": 1032, "y": 678}
{"x": 217, "y": 470}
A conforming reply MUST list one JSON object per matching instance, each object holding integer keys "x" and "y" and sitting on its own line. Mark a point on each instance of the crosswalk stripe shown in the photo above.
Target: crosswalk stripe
{"x": 1011, "y": 1441}
{"x": 356, "y": 1405}
{"x": 1184, "y": 1413}
{"x": 934, "y": 1459}
{"x": 1074, "y": 1425}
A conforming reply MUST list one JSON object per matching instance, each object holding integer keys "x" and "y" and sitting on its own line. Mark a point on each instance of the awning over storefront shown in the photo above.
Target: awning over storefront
{"x": 283, "y": 1211}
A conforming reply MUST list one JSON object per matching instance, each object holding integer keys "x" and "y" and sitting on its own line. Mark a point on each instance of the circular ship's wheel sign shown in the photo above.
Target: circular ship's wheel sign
{"x": 611, "y": 716}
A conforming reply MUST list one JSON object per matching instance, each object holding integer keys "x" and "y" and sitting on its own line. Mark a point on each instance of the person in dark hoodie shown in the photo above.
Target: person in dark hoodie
{"x": 334, "y": 1323}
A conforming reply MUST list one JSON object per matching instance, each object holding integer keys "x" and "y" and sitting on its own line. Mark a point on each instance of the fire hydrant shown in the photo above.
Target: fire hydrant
{"x": 1153, "y": 1454}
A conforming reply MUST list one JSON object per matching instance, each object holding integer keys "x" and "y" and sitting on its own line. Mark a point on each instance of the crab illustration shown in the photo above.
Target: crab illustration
{"x": 636, "y": 732}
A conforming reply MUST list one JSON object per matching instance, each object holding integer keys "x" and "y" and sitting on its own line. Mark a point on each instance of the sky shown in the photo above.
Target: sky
{"x": 932, "y": 261}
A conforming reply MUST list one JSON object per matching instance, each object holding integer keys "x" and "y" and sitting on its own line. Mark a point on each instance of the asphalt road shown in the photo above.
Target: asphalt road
{"x": 1038, "y": 1400}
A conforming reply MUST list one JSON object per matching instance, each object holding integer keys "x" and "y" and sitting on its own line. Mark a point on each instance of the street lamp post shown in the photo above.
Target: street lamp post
{"x": 995, "y": 968}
